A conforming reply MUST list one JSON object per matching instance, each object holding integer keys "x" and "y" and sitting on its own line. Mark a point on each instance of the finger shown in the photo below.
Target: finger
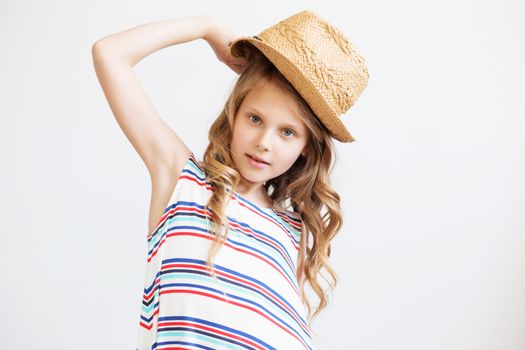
{"x": 235, "y": 69}
{"x": 236, "y": 60}
{"x": 238, "y": 68}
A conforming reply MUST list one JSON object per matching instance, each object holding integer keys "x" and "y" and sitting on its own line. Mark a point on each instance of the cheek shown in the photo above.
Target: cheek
{"x": 242, "y": 135}
{"x": 239, "y": 140}
{"x": 294, "y": 156}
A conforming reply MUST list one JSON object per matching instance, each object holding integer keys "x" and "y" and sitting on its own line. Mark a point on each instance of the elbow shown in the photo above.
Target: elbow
{"x": 98, "y": 48}
{"x": 104, "y": 51}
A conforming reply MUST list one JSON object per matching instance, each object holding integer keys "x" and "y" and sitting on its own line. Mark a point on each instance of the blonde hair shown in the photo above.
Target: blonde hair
{"x": 306, "y": 185}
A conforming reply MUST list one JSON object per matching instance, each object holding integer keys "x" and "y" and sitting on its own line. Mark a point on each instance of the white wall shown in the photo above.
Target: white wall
{"x": 432, "y": 252}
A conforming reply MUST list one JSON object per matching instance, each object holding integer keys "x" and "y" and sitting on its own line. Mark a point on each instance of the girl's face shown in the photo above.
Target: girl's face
{"x": 268, "y": 126}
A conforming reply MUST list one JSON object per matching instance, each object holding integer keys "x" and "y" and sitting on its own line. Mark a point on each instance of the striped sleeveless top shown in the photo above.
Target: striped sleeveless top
{"x": 254, "y": 303}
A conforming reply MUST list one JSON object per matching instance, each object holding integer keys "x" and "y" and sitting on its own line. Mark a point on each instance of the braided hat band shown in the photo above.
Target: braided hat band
{"x": 319, "y": 61}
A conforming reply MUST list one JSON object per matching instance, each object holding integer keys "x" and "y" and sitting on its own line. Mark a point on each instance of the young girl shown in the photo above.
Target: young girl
{"x": 229, "y": 244}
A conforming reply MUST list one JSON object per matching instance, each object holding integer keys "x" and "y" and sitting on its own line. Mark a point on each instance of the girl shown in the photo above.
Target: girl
{"x": 229, "y": 237}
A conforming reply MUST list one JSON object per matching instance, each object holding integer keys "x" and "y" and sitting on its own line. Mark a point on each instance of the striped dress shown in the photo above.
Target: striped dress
{"x": 255, "y": 301}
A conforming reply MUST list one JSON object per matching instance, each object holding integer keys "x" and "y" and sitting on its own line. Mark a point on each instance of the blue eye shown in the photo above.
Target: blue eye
{"x": 292, "y": 133}
{"x": 253, "y": 115}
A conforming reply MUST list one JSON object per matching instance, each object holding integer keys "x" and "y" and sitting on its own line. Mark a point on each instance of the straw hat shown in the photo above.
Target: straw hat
{"x": 318, "y": 60}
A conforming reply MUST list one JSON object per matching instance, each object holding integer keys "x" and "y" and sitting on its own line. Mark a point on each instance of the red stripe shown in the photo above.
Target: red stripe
{"x": 234, "y": 303}
{"x": 243, "y": 281}
{"x": 210, "y": 329}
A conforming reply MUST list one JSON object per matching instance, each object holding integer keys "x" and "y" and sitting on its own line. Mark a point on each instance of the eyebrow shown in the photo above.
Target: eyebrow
{"x": 289, "y": 125}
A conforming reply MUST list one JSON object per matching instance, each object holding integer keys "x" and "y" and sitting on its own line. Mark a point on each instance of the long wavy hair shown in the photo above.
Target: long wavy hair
{"x": 305, "y": 186}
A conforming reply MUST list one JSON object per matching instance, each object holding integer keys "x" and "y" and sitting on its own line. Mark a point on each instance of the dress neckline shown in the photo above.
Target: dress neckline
{"x": 237, "y": 194}
{"x": 272, "y": 209}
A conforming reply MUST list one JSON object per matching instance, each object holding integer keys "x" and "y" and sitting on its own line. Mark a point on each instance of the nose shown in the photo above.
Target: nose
{"x": 264, "y": 140}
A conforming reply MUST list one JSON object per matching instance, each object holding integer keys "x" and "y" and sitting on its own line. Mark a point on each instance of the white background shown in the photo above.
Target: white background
{"x": 432, "y": 251}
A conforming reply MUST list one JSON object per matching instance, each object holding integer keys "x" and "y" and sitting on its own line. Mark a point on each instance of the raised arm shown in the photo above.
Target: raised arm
{"x": 114, "y": 56}
{"x": 159, "y": 146}
{"x": 134, "y": 44}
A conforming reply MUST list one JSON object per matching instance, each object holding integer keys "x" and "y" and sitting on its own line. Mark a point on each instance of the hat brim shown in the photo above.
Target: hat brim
{"x": 300, "y": 82}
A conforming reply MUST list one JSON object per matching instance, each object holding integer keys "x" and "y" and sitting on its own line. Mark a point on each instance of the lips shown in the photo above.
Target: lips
{"x": 257, "y": 159}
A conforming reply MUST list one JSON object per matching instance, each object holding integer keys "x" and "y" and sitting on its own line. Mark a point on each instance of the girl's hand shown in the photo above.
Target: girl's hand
{"x": 219, "y": 37}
